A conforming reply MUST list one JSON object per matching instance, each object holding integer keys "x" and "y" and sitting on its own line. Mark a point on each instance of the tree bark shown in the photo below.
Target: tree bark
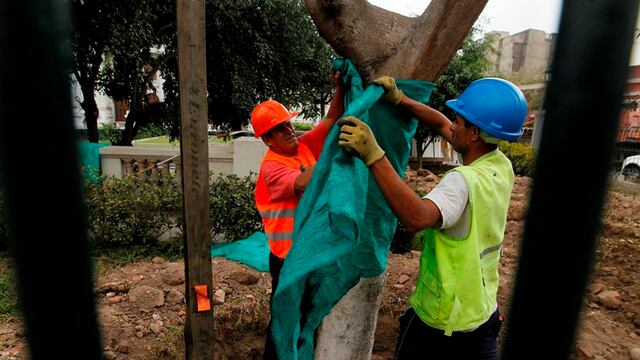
{"x": 381, "y": 42}
{"x": 419, "y": 151}
{"x": 91, "y": 111}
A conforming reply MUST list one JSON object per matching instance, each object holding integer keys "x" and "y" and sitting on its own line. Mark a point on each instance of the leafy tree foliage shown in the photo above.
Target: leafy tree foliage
{"x": 111, "y": 40}
{"x": 261, "y": 49}
{"x": 469, "y": 64}
{"x": 131, "y": 65}
{"x": 256, "y": 49}
{"x": 93, "y": 28}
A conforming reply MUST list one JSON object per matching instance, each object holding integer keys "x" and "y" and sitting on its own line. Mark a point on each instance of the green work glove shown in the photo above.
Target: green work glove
{"x": 392, "y": 93}
{"x": 356, "y": 136}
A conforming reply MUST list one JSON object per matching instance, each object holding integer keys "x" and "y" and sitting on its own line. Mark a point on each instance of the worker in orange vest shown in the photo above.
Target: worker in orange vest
{"x": 285, "y": 172}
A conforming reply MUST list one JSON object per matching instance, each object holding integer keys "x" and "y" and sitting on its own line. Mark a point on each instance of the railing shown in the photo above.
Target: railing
{"x": 158, "y": 162}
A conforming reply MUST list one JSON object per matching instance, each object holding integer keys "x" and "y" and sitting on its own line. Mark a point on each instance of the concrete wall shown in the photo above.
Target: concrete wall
{"x": 247, "y": 155}
{"x": 241, "y": 157}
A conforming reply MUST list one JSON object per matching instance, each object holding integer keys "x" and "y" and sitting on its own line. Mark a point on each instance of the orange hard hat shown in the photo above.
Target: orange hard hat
{"x": 269, "y": 114}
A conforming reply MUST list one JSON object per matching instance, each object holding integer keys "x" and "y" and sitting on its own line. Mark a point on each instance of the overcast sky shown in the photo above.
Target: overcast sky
{"x": 512, "y": 16}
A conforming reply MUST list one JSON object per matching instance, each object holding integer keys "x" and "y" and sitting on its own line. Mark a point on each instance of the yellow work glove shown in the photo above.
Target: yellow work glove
{"x": 392, "y": 93}
{"x": 356, "y": 136}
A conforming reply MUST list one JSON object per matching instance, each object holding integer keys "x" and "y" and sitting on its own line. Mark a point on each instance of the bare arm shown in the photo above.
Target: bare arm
{"x": 416, "y": 214}
{"x": 429, "y": 116}
{"x": 336, "y": 107}
{"x": 303, "y": 179}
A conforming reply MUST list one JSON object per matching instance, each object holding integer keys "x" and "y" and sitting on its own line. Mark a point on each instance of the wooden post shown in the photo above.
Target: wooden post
{"x": 198, "y": 332}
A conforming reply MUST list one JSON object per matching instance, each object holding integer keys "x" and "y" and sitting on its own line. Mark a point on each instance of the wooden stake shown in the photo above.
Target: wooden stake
{"x": 198, "y": 332}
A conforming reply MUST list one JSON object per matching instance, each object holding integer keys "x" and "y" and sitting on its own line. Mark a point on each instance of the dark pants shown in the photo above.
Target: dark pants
{"x": 418, "y": 340}
{"x": 275, "y": 265}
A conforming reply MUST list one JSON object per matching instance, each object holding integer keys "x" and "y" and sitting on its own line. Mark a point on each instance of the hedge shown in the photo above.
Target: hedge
{"x": 522, "y": 157}
{"x": 133, "y": 211}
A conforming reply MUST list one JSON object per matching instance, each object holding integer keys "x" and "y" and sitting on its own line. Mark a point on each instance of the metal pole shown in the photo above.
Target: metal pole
{"x": 47, "y": 225}
{"x": 539, "y": 122}
{"x": 583, "y": 107}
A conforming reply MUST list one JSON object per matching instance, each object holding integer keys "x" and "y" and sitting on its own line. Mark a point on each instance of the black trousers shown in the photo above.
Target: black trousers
{"x": 418, "y": 340}
{"x": 275, "y": 265}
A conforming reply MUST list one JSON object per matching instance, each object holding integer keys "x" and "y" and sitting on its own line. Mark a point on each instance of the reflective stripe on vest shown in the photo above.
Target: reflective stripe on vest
{"x": 277, "y": 216}
{"x": 489, "y": 250}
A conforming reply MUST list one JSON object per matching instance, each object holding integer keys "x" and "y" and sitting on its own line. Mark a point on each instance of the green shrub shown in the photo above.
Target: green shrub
{"x": 134, "y": 211}
{"x": 232, "y": 210}
{"x": 151, "y": 130}
{"x": 303, "y": 126}
{"x": 110, "y": 133}
{"x": 131, "y": 210}
{"x": 522, "y": 157}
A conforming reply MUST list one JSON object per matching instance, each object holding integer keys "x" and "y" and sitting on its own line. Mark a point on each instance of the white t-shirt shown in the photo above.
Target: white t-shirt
{"x": 451, "y": 196}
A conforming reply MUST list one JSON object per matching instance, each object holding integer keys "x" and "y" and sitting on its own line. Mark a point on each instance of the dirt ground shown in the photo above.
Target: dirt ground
{"x": 141, "y": 305}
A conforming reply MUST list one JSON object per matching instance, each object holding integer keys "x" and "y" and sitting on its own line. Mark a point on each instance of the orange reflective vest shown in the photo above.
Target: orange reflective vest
{"x": 277, "y": 216}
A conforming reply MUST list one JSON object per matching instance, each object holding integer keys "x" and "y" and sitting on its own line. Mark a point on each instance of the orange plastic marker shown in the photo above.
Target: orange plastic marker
{"x": 204, "y": 304}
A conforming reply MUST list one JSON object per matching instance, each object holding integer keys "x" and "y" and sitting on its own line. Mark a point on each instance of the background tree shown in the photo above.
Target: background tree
{"x": 135, "y": 56}
{"x": 380, "y": 42}
{"x": 256, "y": 50}
{"x": 92, "y": 28}
{"x": 264, "y": 49}
{"x": 122, "y": 33}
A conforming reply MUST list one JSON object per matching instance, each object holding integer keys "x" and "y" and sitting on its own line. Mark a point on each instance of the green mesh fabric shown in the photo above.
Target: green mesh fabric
{"x": 89, "y": 154}
{"x": 343, "y": 225}
{"x": 252, "y": 251}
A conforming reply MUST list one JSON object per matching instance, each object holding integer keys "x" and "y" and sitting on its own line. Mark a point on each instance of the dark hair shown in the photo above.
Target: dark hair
{"x": 467, "y": 124}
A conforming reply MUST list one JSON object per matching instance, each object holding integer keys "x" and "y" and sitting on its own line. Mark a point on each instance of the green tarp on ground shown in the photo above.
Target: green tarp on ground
{"x": 343, "y": 225}
{"x": 252, "y": 251}
{"x": 89, "y": 155}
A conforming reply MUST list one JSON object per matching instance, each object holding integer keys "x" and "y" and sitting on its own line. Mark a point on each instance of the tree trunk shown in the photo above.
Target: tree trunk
{"x": 380, "y": 42}
{"x": 130, "y": 128}
{"x": 91, "y": 111}
{"x": 419, "y": 152}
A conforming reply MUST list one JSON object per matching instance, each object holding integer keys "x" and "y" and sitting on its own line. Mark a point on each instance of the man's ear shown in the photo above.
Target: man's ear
{"x": 475, "y": 133}
{"x": 266, "y": 140}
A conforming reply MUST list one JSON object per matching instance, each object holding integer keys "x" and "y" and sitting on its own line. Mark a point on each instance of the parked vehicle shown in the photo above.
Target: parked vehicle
{"x": 631, "y": 168}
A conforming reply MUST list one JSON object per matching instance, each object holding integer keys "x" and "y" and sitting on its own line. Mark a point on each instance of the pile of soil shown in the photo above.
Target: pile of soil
{"x": 142, "y": 316}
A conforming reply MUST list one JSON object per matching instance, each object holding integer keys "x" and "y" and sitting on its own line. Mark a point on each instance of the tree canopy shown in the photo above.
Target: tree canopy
{"x": 256, "y": 50}
{"x": 263, "y": 49}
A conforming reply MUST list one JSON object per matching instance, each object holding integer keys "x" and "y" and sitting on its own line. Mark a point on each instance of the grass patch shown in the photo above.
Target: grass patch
{"x": 8, "y": 293}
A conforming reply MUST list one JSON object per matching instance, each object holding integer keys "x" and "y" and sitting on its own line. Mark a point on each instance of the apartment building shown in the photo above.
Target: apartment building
{"x": 527, "y": 51}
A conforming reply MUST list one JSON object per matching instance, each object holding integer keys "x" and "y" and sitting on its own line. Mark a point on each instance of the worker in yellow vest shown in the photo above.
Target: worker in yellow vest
{"x": 454, "y": 312}
{"x": 285, "y": 172}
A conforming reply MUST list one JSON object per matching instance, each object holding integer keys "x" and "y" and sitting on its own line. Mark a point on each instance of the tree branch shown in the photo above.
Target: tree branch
{"x": 380, "y": 42}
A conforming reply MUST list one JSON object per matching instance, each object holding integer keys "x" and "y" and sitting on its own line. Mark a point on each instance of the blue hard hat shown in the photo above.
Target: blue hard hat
{"x": 494, "y": 105}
